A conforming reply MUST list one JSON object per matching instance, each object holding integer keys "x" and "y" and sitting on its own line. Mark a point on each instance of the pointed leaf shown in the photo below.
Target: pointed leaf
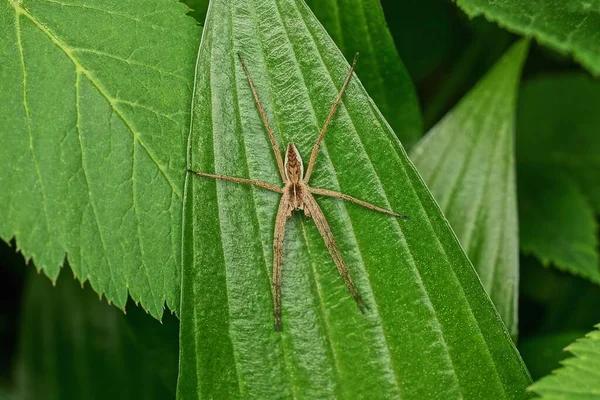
{"x": 570, "y": 27}
{"x": 359, "y": 26}
{"x": 580, "y": 376}
{"x": 93, "y": 115}
{"x": 431, "y": 330}
{"x": 467, "y": 160}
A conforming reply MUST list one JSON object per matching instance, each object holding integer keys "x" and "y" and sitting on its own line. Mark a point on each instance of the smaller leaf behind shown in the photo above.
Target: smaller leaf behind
{"x": 558, "y": 154}
{"x": 467, "y": 160}
{"x": 578, "y": 379}
{"x": 562, "y": 302}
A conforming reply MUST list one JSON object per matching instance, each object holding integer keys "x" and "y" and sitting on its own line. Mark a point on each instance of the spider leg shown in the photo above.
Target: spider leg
{"x": 263, "y": 116}
{"x": 315, "y": 150}
{"x": 323, "y": 227}
{"x": 282, "y": 215}
{"x": 261, "y": 184}
{"x": 338, "y": 195}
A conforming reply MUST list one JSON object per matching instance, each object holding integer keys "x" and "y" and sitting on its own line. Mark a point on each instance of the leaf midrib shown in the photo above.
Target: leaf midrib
{"x": 336, "y": 180}
{"x": 256, "y": 219}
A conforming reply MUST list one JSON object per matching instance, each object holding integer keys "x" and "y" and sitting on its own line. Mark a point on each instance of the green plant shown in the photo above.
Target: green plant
{"x": 104, "y": 104}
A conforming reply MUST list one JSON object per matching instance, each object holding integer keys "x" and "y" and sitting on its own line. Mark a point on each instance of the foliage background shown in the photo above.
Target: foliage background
{"x": 445, "y": 53}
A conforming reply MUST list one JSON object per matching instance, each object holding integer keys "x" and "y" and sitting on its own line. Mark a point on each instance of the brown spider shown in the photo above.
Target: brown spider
{"x": 297, "y": 195}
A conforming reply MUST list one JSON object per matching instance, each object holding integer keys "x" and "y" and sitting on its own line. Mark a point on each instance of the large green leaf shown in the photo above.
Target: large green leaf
{"x": 467, "y": 160}
{"x": 359, "y": 26}
{"x": 569, "y": 26}
{"x": 94, "y": 100}
{"x": 579, "y": 378}
{"x": 74, "y": 346}
{"x": 558, "y": 152}
{"x": 431, "y": 330}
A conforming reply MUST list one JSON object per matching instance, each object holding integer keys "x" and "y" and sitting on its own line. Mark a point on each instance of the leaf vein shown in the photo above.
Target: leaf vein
{"x": 223, "y": 251}
{"x": 89, "y": 194}
{"x": 21, "y": 11}
{"x": 148, "y": 108}
{"x": 253, "y": 191}
{"x": 28, "y": 119}
{"x": 111, "y": 13}
{"x": 127, "y": 61}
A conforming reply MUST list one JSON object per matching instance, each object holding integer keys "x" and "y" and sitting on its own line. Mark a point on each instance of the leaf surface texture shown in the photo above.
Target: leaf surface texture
{"x": 468, "y": 162}
{"x": 94, "y": 101}
{"x": 431, "y": 330}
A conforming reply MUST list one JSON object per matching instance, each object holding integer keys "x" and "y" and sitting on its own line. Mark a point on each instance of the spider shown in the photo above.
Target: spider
{"x": 298, "y": 195}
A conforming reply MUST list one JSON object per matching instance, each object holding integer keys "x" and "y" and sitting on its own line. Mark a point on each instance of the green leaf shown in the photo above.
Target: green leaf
{"x": 568, "y": 103}
{"x": 93, "y": 115}
{"x": 74, "y": 346}
{"x": 467, "y": 161}
{"x": 579, "y": 376}
{"x": 543, "y": 353}
{"x": 359, "y": 26}
{"x": 569, "y": 27}
{"x": 557, "y": 223}
{"x": 431, "y": 330}
{"x": 559, "y": 172}
{"x": 562, "y": 302}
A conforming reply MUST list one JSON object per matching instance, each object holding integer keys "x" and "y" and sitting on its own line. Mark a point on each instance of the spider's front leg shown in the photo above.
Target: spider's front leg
{"x": 261, "y": 184}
